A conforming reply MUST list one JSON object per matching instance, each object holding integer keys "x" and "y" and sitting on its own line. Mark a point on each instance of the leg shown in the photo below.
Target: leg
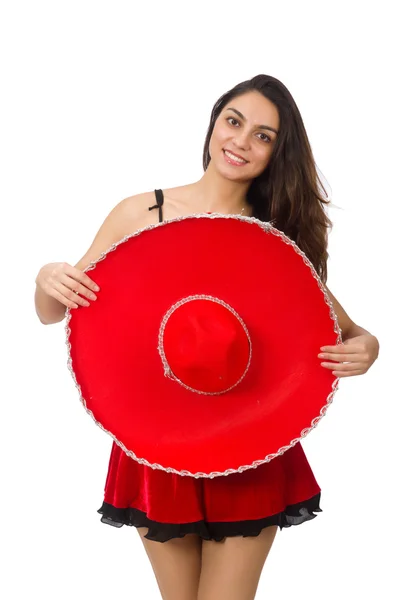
{"x": 231, "y": 569}
{"x": 176, "y": 565}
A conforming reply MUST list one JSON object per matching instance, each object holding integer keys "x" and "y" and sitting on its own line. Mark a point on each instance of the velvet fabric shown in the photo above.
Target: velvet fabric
{"x": 283, "y": 492}
{"x": 117, "y": 365}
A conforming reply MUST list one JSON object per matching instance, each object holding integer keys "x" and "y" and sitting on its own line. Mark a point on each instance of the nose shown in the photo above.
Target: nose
{"x": 241, "y": 140}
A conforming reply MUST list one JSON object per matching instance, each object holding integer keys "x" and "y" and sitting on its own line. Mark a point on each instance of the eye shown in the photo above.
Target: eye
{"x": 267, "y": 138}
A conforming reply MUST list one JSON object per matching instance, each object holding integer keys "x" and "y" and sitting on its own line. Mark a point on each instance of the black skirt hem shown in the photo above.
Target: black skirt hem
{"x": 294, "y": 514}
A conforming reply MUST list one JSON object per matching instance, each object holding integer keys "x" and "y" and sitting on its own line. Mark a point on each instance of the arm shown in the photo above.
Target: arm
{"x": 358, "y": 351}
{"x": 348, "y": 327}
{"x": 48, "y": 309}
{"x": 120, "y": 221}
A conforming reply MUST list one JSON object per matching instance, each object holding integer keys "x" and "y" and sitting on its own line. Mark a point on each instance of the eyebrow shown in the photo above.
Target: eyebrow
{"x": 244, "y": 119}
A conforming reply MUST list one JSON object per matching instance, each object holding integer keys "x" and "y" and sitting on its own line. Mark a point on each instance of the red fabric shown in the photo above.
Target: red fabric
{"x": 206, "y": 346}
{"x": 118, "y": 367}
{"x": 170, "y": 498}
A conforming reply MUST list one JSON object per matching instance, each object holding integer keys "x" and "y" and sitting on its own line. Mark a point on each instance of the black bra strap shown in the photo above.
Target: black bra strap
{"x": 159, "y": 205}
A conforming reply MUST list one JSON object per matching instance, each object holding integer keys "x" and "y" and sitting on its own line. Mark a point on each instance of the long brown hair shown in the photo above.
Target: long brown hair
{"x": 288, "y": 191}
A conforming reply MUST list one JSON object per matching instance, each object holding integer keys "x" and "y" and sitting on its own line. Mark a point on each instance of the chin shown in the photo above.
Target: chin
{"x": 232, "y": 176}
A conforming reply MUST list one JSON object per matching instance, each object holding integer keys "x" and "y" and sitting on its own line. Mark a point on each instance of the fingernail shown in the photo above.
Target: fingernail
{"x": 92, "y": 296}
{"x": 86, "y": 303}
{"x": 96, "y": 288}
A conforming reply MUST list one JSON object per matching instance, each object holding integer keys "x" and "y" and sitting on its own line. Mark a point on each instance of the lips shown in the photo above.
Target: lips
{"x": 235, "y": 154}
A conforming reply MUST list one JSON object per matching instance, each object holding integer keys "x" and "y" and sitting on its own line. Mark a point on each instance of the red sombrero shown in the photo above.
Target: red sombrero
{"x": 199, "y": 356}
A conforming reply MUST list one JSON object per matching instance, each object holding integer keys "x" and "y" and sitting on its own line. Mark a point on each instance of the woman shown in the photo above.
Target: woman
{"x": 257, "y": 162}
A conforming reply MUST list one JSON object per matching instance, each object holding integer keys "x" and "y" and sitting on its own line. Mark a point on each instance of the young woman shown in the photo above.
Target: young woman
{"x": 257, "y": 162}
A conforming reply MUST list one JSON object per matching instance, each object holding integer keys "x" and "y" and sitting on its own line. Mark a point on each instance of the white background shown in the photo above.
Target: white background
{"x": 103, "y": 100}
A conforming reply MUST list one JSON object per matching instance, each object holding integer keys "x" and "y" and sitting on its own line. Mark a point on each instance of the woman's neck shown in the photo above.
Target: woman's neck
{"x": 214, "y": 193}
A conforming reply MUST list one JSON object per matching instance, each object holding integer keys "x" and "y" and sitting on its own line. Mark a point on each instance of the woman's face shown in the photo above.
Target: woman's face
{"x": 247, "y": 128}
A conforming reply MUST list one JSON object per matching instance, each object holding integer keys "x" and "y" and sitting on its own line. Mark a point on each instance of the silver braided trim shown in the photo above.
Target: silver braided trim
{"x": 268, "y": 228}
{"x": 167, "y": 369}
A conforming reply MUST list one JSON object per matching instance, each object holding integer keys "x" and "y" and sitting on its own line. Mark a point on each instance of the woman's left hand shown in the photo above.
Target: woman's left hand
{"x": 355, "y": 356}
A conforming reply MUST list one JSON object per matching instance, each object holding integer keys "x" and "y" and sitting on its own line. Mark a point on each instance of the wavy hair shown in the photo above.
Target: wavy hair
{"x": 289, "y": 190}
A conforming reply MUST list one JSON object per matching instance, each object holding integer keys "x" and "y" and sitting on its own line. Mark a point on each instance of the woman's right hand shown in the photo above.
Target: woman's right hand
{"x": 61, "y": 281}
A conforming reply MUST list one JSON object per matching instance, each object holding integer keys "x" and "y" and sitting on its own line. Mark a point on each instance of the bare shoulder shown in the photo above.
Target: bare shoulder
{"x": 133, "y": 212}
{"x": 127, "y": 216}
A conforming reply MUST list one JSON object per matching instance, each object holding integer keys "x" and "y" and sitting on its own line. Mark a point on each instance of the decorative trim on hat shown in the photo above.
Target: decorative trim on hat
{"x": 268, "y": 227}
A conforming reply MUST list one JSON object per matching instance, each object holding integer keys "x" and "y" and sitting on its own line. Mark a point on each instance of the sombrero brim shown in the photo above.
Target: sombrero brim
{"x": 113, "y": 345}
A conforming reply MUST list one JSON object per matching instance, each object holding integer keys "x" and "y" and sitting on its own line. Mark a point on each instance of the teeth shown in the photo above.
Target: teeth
{"x": 236, "y": 158}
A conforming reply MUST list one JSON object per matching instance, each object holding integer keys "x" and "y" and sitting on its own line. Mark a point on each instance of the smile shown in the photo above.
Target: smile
{"x": 233, "y": 159}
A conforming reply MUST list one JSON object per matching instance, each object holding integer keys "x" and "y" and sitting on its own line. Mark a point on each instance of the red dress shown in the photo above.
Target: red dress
{"x": 283, "y": 492}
